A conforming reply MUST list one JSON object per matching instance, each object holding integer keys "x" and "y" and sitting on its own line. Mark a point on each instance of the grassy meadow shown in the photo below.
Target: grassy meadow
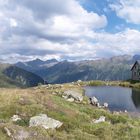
{"x": 77, "y": 118}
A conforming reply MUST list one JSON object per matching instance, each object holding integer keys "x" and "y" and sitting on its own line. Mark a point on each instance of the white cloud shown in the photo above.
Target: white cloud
{"x": 128, "y": 10}
{"x": 60, "y": 29}
{"x": 125, "y": 42}
{"x": 44, "y": 28}
{"x": 13, "y": 22}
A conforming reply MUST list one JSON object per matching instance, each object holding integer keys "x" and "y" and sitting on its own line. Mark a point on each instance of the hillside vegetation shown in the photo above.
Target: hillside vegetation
{"x": 77, "y": 118}
{"x": 12, "y": 76}
{"x": 7, "y": 82}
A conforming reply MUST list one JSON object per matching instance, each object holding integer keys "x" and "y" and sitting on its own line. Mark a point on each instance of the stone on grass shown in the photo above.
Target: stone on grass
{"x": 44, "y": 121}
{"x": 101, "y": 119}
{"x": 65, "y": 97}
{"x": 15, "y": 118}
{"x": 78, "y": 96}
{"x": 70, "y": 100}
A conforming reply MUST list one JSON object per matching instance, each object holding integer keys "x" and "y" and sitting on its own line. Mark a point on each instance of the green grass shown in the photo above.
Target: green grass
{"x": 76, "y": 117}
{"x": 96, "y": 83}
{"x": 129, "y": 83}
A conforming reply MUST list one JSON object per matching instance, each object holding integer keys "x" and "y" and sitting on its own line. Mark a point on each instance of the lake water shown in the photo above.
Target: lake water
{"x": 118, "y": 98}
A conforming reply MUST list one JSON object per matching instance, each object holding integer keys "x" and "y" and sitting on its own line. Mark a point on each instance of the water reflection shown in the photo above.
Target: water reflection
{"x": 118, "y": 98}
{"x": 136, "y": 98}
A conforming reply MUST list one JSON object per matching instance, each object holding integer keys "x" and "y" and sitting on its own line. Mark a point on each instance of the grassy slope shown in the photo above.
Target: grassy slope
{"x": 12, "y": 76}
{"x": 4, "y": 80}
{"x": 27, "y": 79}
{"x": 7, "y": 82}
{"x": 76, "y": 117}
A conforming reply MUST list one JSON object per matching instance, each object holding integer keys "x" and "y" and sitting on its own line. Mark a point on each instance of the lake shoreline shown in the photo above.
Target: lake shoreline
{"x": 131, "y": 84}
{"x": 128, "y": 102}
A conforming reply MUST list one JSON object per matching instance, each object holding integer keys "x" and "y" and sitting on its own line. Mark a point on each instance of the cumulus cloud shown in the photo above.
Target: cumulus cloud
{"x": 117, "y": 44}
{"x": 48, "y": 19}
{"x": 43, "y": 27}
{"x": 60, "y": 29}
{"x": 128, "y": 10}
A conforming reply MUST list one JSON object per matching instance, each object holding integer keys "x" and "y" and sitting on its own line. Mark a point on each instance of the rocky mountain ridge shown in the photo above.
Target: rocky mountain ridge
{"x": 114, "y": 68}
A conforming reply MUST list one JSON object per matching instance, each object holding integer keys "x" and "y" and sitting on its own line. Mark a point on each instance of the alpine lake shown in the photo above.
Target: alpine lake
{"x": 118, "y": 98}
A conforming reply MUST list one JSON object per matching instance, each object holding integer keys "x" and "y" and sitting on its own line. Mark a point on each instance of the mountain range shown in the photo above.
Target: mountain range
{"x": 53, "y": 71}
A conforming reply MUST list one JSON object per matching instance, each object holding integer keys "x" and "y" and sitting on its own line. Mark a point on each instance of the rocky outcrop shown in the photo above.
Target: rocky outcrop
{"x": 77, "y": 96}
{"x": 44, "y": 121}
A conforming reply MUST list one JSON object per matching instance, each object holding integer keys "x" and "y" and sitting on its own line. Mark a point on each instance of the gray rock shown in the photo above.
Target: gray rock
{"x": 98, "y": 105}
{"x": 101, "y": 119}
{"x": 79, "y": 81}
{"x": 70, "y": 100}
{"x": 94, "y": 100}
{"x": 44, "y": 121}
{"x": 105, "y": 105}
{"x": 65, "y": 97}
{"x": 74, "y": 94}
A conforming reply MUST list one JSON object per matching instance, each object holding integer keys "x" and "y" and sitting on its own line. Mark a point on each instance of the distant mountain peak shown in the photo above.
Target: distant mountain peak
{"x": 51, "y": 61}
{"x": 39, "y": 60}
{"x": 136, "y": 57}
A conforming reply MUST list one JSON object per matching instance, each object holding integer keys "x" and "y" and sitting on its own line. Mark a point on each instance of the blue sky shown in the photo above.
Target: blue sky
{"x": 68, "y": 29}
{"x": 114, "y": 21}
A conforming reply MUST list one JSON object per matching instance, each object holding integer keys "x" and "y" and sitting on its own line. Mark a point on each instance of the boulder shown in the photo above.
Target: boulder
{"x": 98, "y": 105}
{"x": 101, "y": 119}
{"x": 105, "y": 105}
{"x": 44, "y": 121}
{"x": 78, "y": 96}
{"x": 70, "y": 100}
{"x": 65, "y": 97}
{"x": 94, "y": 101}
